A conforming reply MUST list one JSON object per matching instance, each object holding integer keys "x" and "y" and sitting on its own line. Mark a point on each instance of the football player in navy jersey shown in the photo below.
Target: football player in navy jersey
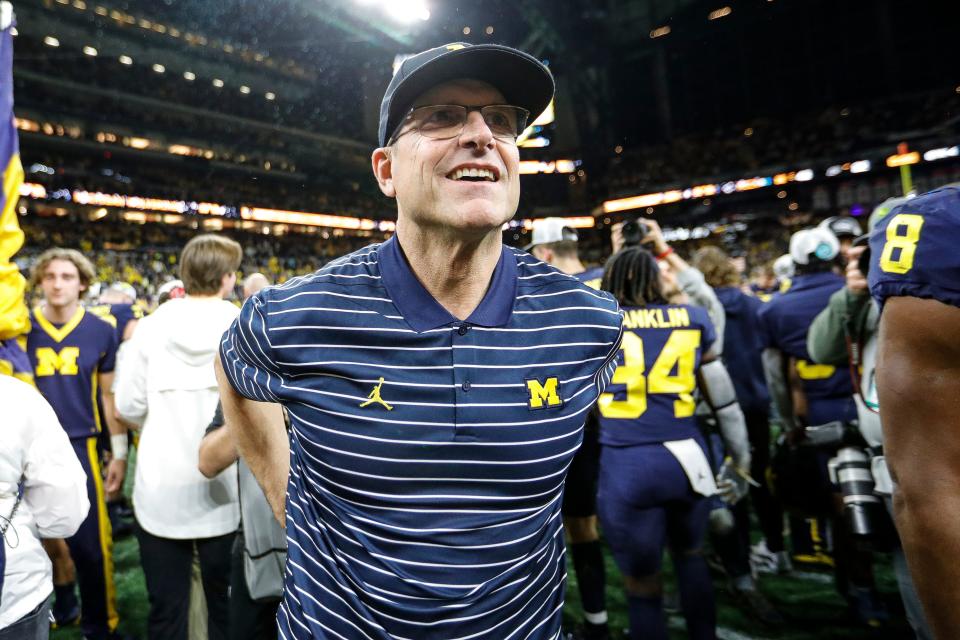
{"x": 742, "y": 359}
{"x": 73, "y": 355}
{"x": 914, "y": 275}
{"x": 654, "y": 475}
{"x": 117, "y": 305}
{"x": 556, "y": 244}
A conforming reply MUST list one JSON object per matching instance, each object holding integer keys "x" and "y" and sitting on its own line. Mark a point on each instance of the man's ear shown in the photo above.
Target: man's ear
{"x": 382, "y": 163}
{"x": 226, "y": 284}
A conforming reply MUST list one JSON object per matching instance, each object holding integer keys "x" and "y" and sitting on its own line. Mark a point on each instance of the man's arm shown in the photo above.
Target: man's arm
{"x": 217, "y": 449}
{"x": 217, "y": 452}
{"x": 774, "y": 372}
{"x": 827, "y": 337}
{"x": 714, "y": 380}
{"x": 258, "y": 430}
{"x": 131, "y": 392}
{"x": 918, "y": 379}
{"x": 691, "y": 281}
{"x": 117, "y": 469}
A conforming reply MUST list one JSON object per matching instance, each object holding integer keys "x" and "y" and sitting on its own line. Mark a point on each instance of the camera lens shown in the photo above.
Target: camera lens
{"x": 860, "y": 503}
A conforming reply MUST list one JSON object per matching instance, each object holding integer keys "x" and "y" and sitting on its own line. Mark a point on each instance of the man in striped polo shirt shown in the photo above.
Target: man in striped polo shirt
{"x": 437, "y": 383}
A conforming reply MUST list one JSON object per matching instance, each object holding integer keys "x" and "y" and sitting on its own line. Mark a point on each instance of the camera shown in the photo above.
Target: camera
{"x": 863, "y": 262}
{"x": 634, "y": 232}
{"x": 850, "y": 469}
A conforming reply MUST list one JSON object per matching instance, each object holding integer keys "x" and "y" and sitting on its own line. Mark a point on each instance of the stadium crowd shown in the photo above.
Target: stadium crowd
{"x": 837, "y": 133}
{"x": 145, "y": 256}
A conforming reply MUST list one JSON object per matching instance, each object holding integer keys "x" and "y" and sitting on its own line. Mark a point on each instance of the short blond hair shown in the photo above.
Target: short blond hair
{"x": 205, "y": 260}
{"x": 716, "y": 267}
{"x": 84, "y": 267}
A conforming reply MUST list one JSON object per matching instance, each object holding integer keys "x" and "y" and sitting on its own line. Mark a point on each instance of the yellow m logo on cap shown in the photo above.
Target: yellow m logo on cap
{"x": 544, "y": 394}
{"x": 50, "y": 362}
{"x": 454, "y": 47}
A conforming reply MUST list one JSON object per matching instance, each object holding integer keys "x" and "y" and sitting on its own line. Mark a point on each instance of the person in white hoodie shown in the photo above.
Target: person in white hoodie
{"x": 167, "y": 385}
{"x": 43, "y": 492}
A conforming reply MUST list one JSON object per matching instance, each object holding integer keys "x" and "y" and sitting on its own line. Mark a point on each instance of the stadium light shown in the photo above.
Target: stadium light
{"x": 941, "y": 153}
{"x": 50, "y": 41}
{"x": 270, "y": 95}
{"x": 659, "y": 32}
{"x": 159, "y": 68}
{"x": 722, "y": 12}
{"x": 189, "y": 75}
{"x": 402, "y": 10}
{"x": 903, "y": 159}
{"x": 89, "y": 51}
{"x": 127, "y": 60}
{"x": 218, "y": 83}
{"x": 244, "y": 89}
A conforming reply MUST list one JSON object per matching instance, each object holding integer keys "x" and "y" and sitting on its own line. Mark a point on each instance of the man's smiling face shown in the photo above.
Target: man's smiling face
{"x": 469, "y": 183}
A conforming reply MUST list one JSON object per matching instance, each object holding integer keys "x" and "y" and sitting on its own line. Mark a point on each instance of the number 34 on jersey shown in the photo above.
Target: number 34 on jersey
{"x": 661, "y": 353}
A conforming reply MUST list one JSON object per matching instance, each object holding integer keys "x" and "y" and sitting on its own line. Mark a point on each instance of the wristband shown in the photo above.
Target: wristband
{"x": 663, "y": 255}
{"x": 118, "y": 445}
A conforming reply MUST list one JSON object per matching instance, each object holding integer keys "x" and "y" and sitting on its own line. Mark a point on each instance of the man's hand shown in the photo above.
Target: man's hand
{"x": 616, "y": 237}
{"x": 733, "y": 483}
{"x": 795, "y": 436}
{"x": 654, "y": 236}
{"x": 856, "y": 281}
{"x": 116, "y": 472}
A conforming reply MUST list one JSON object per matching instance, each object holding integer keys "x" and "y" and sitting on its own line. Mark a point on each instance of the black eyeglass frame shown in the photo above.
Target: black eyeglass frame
{"x": 524, "y": 116}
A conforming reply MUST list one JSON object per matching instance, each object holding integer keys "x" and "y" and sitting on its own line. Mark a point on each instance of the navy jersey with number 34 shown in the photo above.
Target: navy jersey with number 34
{"x": 914, "y": 250}
{"x": 650, "y": 398}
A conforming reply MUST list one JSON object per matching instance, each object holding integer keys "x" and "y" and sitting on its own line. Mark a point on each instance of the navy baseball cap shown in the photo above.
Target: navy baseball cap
{"x": 523, "y": 80}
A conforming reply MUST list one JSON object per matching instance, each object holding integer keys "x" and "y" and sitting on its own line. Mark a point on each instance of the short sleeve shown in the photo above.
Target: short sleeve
{"x": 913, "y": 250}
{"x": 108, "y": 360}
{"x": 247, "y": 355}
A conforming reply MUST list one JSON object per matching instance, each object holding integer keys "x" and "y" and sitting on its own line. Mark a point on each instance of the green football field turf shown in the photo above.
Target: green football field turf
{"x": 809, "y": 602}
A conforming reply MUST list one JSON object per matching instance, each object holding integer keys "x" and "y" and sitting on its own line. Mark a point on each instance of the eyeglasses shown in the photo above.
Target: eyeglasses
{"x": 443, "y": 121}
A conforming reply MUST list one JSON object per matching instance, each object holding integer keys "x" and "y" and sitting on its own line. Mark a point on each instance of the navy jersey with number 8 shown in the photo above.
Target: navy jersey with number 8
{"x": 913, "y": 251}
{"x": 650, "y": 398}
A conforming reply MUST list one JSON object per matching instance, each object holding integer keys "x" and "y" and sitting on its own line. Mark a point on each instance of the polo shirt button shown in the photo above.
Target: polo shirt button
{"x": 463, "y": 329}
{"x": 466, "y": 385}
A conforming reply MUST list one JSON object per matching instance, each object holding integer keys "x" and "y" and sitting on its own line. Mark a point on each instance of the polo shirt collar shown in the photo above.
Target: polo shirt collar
{"x": 422, "y": 312}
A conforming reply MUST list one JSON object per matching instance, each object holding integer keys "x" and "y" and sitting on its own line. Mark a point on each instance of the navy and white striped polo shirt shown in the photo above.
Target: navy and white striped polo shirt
{"x": 427, "y": 455}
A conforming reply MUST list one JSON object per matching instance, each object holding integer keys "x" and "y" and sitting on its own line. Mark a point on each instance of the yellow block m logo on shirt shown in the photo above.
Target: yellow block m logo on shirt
{"x": 544, "y": 394}
{"x": 50, "y": 362}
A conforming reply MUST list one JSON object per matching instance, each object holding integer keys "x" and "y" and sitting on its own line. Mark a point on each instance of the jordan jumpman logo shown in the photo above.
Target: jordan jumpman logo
{"x": 375, "y": 397}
